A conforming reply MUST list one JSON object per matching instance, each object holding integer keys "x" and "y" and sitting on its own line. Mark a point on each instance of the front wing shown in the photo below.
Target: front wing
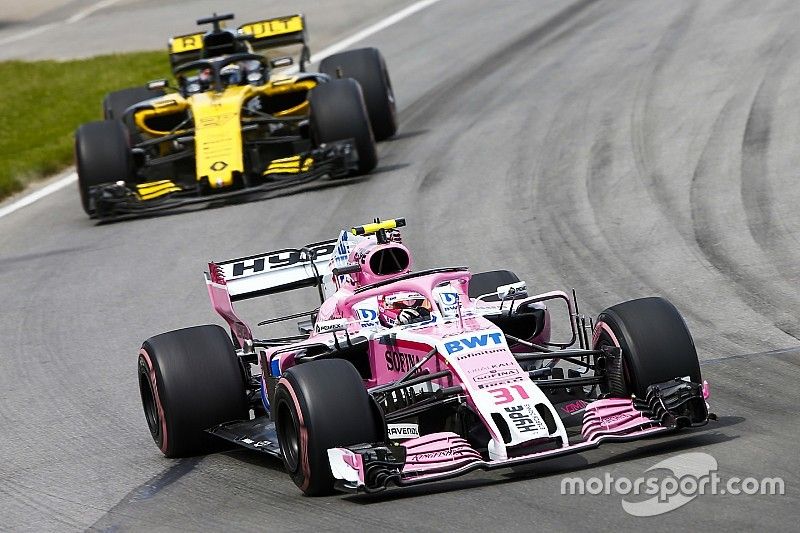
{"x": 373, "y": 467}
{"x": 116, "y": 201}
{"x": 258, "y": 435}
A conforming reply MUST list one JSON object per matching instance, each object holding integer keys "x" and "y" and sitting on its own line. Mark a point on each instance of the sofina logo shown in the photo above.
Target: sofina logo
{"x": 476, "y": 341}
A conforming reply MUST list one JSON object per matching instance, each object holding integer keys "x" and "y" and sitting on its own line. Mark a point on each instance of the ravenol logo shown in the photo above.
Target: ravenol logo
{"x": 473, "y": 342}
{"x": 367, "y": 315}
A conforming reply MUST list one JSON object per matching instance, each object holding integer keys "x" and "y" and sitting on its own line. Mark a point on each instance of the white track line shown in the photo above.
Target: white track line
{"x": 375, "y": 28}
{"x": 77, "y": 17}
{"x": 38, "y": 194}
{"x": 27, "y": 33}
{"x": 334, "y": 48}
{"x": 80, "y": 15}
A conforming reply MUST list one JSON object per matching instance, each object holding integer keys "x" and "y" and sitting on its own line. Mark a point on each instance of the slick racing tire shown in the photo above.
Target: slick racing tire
{"x": 190, "y": 380}
{"x": 338, "y": 113}
{"x": 102, "y": 155}
{"x": 115, "y": 104}
{"x": 368, "y": 68}
{"x": 486, "y": 282}
{"x": 656, "y": 345}
{"x": 320, "y": 405}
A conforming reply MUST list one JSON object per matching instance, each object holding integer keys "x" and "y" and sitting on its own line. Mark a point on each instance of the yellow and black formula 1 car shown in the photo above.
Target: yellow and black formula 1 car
{"x": 237, "y": 123}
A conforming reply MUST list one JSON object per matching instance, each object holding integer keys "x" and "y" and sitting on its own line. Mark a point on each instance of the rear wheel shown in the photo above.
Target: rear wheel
{"x": 487, "y": 282}
{"x": 317, "y": 406}
{"x": 338, "y": 113}
{"x": 656, "y": 345}
{"x": 115, "y": 104}
{"x": 190, "y": 380}
{"x": 102, "y": 155}
{"x": 368, "y": 68}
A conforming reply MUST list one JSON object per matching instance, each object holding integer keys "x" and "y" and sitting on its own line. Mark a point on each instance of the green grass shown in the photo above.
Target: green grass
{"x": 43, "y": 102}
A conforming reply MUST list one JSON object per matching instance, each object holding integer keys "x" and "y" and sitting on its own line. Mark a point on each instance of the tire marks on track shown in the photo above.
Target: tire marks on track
{"x": 733, "y": 204}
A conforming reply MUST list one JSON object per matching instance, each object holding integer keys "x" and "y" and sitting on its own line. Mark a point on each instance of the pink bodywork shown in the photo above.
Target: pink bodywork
{"x": 389, "y": 362}
{"x": 446, "y": 454}
{"x": 465, "y": 343}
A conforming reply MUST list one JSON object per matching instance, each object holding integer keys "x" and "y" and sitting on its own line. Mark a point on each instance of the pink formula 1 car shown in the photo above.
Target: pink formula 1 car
{"x": 403, "y": 377}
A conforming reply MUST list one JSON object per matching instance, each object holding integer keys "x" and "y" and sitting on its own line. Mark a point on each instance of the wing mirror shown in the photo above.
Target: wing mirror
{"x": 280, "y": 62}
{"x": 157, "y": 84}
{"x": 512, "y": 291}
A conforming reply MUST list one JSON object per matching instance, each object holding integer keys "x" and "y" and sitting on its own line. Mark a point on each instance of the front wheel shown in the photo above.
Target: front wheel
{"x": 190, "y": 380}
{"x": 368, "y": 68}
{"x": 337, "y": 114}
{"x": 116, "y": 103}
{"x": 102, "y": 155}
{"x": 321, "y": 405}
{"x": 655, "y": 342}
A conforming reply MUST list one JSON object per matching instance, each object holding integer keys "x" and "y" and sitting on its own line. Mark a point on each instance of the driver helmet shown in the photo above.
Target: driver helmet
{"x": 403, "y": 308}
{"x": 204, "y": 77}
{"x": 231, "y": 74}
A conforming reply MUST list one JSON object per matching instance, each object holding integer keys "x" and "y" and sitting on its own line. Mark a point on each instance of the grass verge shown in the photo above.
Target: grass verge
{"x": 43, "y": 102}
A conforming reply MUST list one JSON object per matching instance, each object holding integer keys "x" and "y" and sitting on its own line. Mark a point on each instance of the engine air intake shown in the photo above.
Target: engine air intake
{"x": 389, "y": 260}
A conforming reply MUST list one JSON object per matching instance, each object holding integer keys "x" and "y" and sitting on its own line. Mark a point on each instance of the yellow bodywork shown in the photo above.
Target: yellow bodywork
{"x": 154, "y": 189}
{"x": 218, "y": 134}
{"x": 218, "y": 126}
{"x": 289, "y": 165}
{"x": 265, "y": 29}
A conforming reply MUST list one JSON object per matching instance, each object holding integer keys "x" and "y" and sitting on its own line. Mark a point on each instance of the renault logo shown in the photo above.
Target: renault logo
{"x": 219, "y": 165}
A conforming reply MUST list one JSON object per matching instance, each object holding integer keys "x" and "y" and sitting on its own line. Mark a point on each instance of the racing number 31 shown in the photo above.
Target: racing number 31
{"x": 505, "y": 394}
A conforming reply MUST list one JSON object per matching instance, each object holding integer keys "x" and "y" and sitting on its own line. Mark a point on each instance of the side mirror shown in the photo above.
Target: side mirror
{"x": 157, "y": 84}
{"x": 512, "y": 291}
{"x": 280, "y": 62}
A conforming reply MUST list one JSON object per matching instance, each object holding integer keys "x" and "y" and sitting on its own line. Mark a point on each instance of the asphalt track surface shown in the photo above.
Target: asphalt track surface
{"x": 623, "y": 148}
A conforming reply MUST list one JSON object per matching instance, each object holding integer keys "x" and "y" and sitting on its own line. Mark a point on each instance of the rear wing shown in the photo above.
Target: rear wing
{"x": 272, "y": 33}
{"x": 269, "y": 273}
{"x": 261, "y": 35}
{"x": 273, "y": 272}
{"x": 185, "y": 48}
{"x": 277, "y": 32}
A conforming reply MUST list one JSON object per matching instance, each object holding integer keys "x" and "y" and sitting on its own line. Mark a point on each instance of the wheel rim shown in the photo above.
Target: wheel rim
{"x": 288, "y": 437}
{"x": 605, "y": 341}
{"x": 389, "y": 90}
{"x": 149, "y": 405}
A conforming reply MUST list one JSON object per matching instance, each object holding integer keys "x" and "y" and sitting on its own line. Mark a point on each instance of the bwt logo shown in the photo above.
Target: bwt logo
{"x": 367, "y": 315}
{"x": 449, "y": 298}
{"x": 473, "y": 342}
